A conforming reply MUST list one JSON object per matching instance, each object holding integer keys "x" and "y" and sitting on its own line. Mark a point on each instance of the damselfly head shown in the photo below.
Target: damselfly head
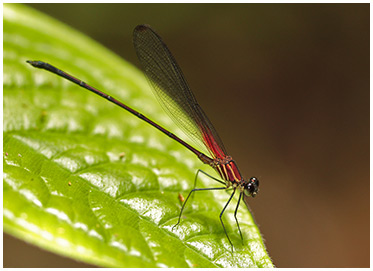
{"x": 251, "y": 187}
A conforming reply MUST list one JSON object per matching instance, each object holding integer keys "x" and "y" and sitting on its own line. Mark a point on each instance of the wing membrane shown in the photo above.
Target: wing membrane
{"x": 171, "y": 89}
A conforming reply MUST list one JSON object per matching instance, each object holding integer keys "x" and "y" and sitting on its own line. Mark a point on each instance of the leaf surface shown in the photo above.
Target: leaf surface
{"x": 87, "y": 180}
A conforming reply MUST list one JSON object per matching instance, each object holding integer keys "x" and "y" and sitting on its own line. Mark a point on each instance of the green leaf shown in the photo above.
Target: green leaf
{"x": 85, "y": 179}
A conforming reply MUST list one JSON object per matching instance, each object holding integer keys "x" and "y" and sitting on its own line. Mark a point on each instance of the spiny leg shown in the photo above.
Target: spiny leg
{"x": 195, "y": 189}
{"x": 208, "y": 175}
{"x": 235, "y": 216}
{"x": 221, "y": 220}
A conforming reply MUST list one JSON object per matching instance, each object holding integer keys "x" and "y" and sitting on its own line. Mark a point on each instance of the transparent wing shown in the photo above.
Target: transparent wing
{"x": 172, "y": 91}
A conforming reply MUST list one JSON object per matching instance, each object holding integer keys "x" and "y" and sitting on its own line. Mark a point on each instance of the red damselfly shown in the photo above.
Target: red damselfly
{"x": 172, "y": 90}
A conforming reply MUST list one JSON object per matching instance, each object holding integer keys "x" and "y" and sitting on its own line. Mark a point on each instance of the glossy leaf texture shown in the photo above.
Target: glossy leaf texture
{"x": 87, "y": 180}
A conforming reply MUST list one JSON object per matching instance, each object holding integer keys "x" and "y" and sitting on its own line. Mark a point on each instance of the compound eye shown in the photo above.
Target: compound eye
{"x": 252, "y": 188}
{"x": 255, "y": 181}
{"x": 249, "y": 189}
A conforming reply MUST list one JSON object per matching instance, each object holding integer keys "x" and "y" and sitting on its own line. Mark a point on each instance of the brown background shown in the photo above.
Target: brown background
{"x": 287, "y": 87}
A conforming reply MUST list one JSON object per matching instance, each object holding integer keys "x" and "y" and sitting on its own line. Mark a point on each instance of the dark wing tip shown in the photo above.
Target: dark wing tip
{"x": 144, "y": 32}
{"x": 142, "y": 27}
{"x": 139, "y": 31}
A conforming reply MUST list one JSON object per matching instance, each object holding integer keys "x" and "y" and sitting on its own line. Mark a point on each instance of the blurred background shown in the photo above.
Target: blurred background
{"x": 287, "y": 88}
